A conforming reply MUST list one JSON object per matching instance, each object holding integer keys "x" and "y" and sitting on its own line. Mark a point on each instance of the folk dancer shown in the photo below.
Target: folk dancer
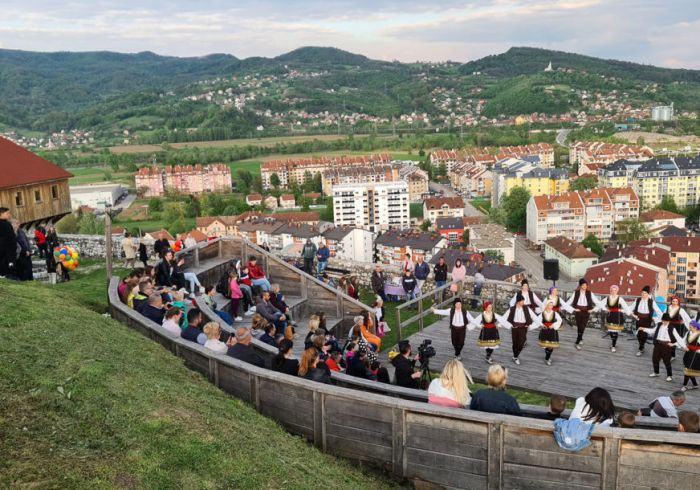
{"x": 691, "y": 359}
{"x": 518, "y": 319}
{"x": 554, "y": 298}
{"x": 488, "y": 322}
{"x": 549, "y": 321}
{"x": 679, "y": 319}
{"x": 644, "y": 309}
{"x": 665, "y": 338}
{"x": 532, "y": 301}
{"x": 581, "y": 304}
{"x": 459, "y": 319}
{"x": 617, "y": 308}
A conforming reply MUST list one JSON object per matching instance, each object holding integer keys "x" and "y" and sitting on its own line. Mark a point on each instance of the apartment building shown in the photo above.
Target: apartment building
{"x": 183, "y": 179}
{"x": 357, "y": 175}
{"x": 393, "y": 244}
{"x": 657, "y": 178}
{"x": 512, "y": 173}
{"x": 417, "y": 180}
{"x": 376, "y": 207}
{"x": 574, "y": 259}
{"x": 577, "y": 214}
{"x": 300, "y": 170}
{"x": 350, "y": 243}
{"x": 589, "y": 155}
{"x": 488, "y": 156}
{"x": 492, "y": 237}
{"x": 443, "y": 207}
{"x": 471, "y": 179}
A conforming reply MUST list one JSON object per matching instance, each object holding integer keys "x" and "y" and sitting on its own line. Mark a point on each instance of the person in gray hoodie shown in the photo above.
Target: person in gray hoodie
{"x": 308, "y": 252}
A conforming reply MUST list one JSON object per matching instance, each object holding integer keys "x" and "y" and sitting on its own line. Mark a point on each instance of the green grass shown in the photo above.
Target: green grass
{"x": 482, "y": 203}
{"x": 416, "y": 209}
{"x": 252, "y": 166}
{"x": 88, "y": 402}
{"x": 150, "y": 225}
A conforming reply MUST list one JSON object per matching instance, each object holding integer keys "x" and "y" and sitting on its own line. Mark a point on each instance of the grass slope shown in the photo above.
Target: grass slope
{"x": 85, "y": 401}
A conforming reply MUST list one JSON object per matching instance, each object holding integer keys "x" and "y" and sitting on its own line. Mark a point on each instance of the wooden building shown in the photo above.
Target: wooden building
{"x": 34, "y": 189}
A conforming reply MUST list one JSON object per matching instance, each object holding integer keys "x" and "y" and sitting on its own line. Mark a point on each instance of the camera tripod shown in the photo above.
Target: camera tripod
{"x": 425, "y": 378}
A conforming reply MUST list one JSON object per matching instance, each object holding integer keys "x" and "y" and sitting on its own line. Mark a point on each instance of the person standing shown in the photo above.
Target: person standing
{"x": 679, "y": 319}
{"x": 459, "y": 320}
{"x": 308, "y": 253}
{"x": 422, "y": 271}
{"x": 40, "y": 240}
{"x": 645, "y": 308}
{"x": 489, "y": 338}
{"x": 8, "y": 243}
{"x": 440, "y": 274}
{"x": 190, "y": 241}
{"x": 479, "y": 281}
{"x": 550, "y": 321}
{"x": 581, "y": 304}
{"x": 407, "y": 264}
{"x": 129, "y": 248}
{"x": 161, "y": 245}
{"x": 23, "y": 263}
{"x": 615, "y": 319}
{"x": 322, "y": 256}
{"x": 665, "y": 338}
{"x": 378, "y": 281}
{"x": 532, "y": 301}
{"x": 519, "y": 319}
{"x": 143, "y": 253}
{"x": 408, "y": 282}
{"x": 459, "y": 273}
{"x": 691, "y": 359}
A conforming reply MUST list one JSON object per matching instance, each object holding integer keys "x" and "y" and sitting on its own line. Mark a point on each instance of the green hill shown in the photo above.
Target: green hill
{"x": 322, "y": 55}
{"x": 87, "y": 402}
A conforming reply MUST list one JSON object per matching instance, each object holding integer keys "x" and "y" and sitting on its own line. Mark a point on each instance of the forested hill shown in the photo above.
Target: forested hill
{"x": 526, "y": 61}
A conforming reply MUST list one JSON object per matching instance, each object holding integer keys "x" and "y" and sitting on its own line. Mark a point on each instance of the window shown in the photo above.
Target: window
{"x": 54, "y": 192}
{"x": 19, "y": 199}
{"x": 37, "y": 195}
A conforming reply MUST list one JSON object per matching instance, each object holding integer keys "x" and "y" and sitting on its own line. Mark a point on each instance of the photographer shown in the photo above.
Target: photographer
{"x": 405, "y": 375}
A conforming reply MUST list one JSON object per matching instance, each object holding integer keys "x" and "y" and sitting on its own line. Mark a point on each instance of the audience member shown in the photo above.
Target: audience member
{"x": 129, "y": 247}
{"x": 213, "y": 331}
{"x": 358, "y": 366}
{"x": 378, "y": 282}
{"x": 242, "y": 349}
{"x": 208, "y": 299}
{"x": 269, "y": 335}
{"x": 178, "y": 300}
{"x": 403, "y": 367}
{"x": 172, "y": 321}
{"x": 688, "y": 421}
{"x": 193, "y": 332}
{"x": 168, "y": 271}
{"x": 626, "y": 420}
{"x": 153, "y": 310}
{"x": 257, "y": 275}
{"x": 308, "y": 367}
{"x": 161, "y": 245}
{"x": 23, "y": 262}
{"x": 145, "y": 290}
{"x": 595, "y": 408}
{"x": 451, "y": 389}
{"x": 258, "y": 325}
{"x": 236, "y": 294}
{"x": 494, "y": 399}
{"x": 665, "y": 406}
{"x": 314, "y": 322}
{"x": 334, "y": 360}
{"x": 283, "y": 361}
{"x": 557, "y": 404}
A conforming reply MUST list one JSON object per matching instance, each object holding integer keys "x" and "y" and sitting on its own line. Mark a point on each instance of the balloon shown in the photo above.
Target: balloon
{"x": 62, "y": 257}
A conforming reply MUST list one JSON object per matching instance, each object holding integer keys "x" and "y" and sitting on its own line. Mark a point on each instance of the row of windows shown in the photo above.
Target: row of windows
{"x": 19, "y": 196}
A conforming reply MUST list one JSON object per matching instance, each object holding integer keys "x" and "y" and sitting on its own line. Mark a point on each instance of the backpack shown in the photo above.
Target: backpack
{"x": 223, "y": 286}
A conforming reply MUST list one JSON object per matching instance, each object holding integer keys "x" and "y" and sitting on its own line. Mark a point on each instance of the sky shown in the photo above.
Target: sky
{"x": 659, "y": 32}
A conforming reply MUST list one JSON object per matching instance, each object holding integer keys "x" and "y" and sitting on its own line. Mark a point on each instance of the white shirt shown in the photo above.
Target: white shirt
{"x": 644, "y": 307}
{"x": 457, "y": 320}
{"x": 581, "y": 410}
{"x": 216, "y": 346}
{"x": 526, "y": 296}
{"x": 684, "y": 316}
{"x": 478, "y": 321}
{"x": 581, "y": 303}
{"x": 518, "y": 317}
{"x": 539, "y": 321}
{"x": 172, "y": 328}
{"x": 667, "y": 405}
{"x": 663, "y": 335}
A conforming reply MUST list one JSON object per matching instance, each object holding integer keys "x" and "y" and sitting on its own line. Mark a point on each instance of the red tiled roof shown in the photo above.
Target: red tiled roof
{"x": 651, "y": 254}
{"x": 570, "y": 248}
{"x": 22, "y": 167}
{"x": 437, "y": 202}
{"x": 630, "y": 277}
{"x": 677, "y": 244}
{"x": 656, "y": 214}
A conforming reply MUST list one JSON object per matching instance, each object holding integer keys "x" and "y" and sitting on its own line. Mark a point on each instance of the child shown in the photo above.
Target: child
{"x": 333, "y": 361}
{"x": 557, "y": 404}
{"x": 626, "y": 420}
{"x": 208, "y": 299}
{"x": 236, "y": 295}
{"x": 246, "y": 286}
{"x": 179, "y": 302}
{"x": 688, "y": 421}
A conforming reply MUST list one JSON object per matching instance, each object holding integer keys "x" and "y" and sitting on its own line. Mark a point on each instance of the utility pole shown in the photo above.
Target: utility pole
{"x": 108, "y": 242}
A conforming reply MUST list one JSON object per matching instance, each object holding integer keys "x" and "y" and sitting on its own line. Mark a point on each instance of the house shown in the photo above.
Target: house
{"x": 657, "y": 218}
{"x": 393, "y": 244}
{"x": 630, "y": 275}
{"x": 287, "y": 201}
{"x": 357, "y": 175}
{"x": 511, "y": 173}
{"x": 152, "y": 236}
{"x": 183, "y": 179}
{"x": 33, "y": 189}
{"x": 417, "y": 180}
{"x": 574, "y": 259}
{"x": 440, "y": 207}
{"x": 452, "y": 229}
{"x": 254, "y": 199}
{"x": 492, "y": 269}
{"x": 99, "y": 196}
{"x": 262, "y": 232}
{"x": 471, "y": 179}
{"x": 492, "y": 237}
{"x": 197, "y": 235}
{"x": 587, "y": 153}
{"x": 349, "y": 243}
{"x": 270, "y": 202}
{"x": 218, "y": 226}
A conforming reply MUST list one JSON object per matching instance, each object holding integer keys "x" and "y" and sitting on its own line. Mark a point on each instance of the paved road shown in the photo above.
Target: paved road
{"x": 448, "y": 191}
{"x": 531, "y": 261}
{"x": 562, "y": 134}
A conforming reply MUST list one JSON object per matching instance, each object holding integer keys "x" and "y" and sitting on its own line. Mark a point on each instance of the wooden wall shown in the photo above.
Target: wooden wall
{"x": 447, "y": 447}
{"x": 31, "y": 211}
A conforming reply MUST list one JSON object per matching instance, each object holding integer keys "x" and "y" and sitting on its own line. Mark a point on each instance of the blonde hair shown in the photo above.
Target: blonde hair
{"x": 454, "y": 377}
{"x": 275, "y": 288}
{"x": 258, "y": 322}
{"x": 308, "y": 359}
{"x": 497, "y": 377}
{"x": 212, "y": 330}
{"x": 177, "y": 296}
{"x": 314, "y": 322}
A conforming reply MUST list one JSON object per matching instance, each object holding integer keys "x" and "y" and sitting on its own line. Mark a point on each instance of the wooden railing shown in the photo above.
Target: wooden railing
{"x": 443, "y": 446}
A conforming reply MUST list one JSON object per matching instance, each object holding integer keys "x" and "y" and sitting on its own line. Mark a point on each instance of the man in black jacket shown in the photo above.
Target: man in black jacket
{"x": 409, "y": 285}
{"x": 168, "y": 271}
{"x": 161, "y": 245}
{"x": 242, "y": 350}
{"x": 8, "y": 243}
{"x": 378, "y": 281}
{"x": 403, "y": 366}
{"x": 440, "y": 272}
{"x": 153, "y": 310}
{"x": 357, "y": 366}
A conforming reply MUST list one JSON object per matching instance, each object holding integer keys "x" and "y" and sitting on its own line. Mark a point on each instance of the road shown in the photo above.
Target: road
{"x": 448, "y": 191}
{"x": 531, "y": 261}
{"x": 562, "y": 134}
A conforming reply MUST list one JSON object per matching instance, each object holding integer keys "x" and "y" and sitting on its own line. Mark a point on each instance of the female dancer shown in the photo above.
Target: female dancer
{"x": 644, "y": 311}
{"x": 488, "y": 322}
{"x": 679, "y": 319}
{"x": 691, "y": 359}
{"x": 550, "y": 321}
{"x": 554, "y": 298}
{"x": 615, "y": 319}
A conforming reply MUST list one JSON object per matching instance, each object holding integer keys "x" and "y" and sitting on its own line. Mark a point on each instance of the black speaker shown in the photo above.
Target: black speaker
{"x": 551, "y": 269}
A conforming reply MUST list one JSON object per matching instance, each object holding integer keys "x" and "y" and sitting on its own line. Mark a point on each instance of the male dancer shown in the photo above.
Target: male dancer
{"x": 665, "y": 339}
{"x": 531, "y": 300}
{"x": 581, "y": 304}
{"x": 615, "y": 319}
{"x": 644, "y": 308}
{"x": 519, "y": 318}
{"x": 459, "y": 319}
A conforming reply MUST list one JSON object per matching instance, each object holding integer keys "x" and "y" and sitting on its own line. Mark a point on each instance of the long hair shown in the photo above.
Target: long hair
{"x": 454, "y": 378}
{"x": 600, "y": 406}
{"x": 308, "y": 360}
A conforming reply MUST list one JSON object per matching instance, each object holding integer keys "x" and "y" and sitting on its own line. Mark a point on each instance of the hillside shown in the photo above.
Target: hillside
{"x": 87, "y": 402}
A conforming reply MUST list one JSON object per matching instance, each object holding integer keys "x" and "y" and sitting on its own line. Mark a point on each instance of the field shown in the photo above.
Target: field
{"x": 658, "y": 141}
{"x": 416, "y": 210}
{"x": 482, "y": 204}
{"x": 93, "y": 175}
{"x": 89, "y": 403}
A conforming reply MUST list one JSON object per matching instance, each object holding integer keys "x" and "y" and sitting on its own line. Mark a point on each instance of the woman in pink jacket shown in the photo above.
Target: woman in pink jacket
{"x": 459, "y": 273}
{"x": 235, "y": 294}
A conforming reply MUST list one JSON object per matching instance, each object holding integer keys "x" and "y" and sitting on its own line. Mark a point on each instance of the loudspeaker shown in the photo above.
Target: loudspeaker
{"x": 551, "y": 269}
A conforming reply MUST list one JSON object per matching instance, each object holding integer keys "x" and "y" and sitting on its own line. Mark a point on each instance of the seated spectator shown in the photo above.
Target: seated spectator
{"x": 383, "y": 375}
{"x": 172, "y": 321}
{"x": 403, "y": 367}
{"x": 358, "y": 366}
{"x": 127, "y": 284}
{"x": 179, "y": 302}
{"x": 242, "y": 349}
{"x": 258, "y": 325}
{"x": 153, "y": 310}
{"x": 451, "y": 389}
{"x": 283, "y": 361}
{"x": 366, "y": 328}
{"x": 278, "y": 301}
{"x": 494, "y": 399}
{"x": 269, "y": 336}
{"x": 626, "y": 420}
{"x": 595, "y": 408}
{"x": 334, "y": 360}
{"x": 308, "y": 367}
{"x": 246, "y": 286}
{"x": 557, "y": 404}
{"x": 193, "y": 332}
{"x": 313, "y": 326}
{"x": 326, "y": 279}
{"x": 145, "y": 290}
{"x": 271, "y": 314}
{"x": 213, "y": 331}
{"x": 168, "y": 271}
{"x": 320, "y": 343}
{"x": 257, "y": 275}
{"x": 208, "y": 299}
{"x": 688, "y": 421}
{"x": 665, "y": 406}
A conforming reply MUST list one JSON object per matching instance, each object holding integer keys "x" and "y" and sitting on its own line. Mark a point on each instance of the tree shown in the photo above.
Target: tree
{"x": 669, "y": 204}
{"x": 155, "y": 204}
{"x": 425, "y": 225}
{"x": 68, "y": 224}
{"x": 275, "y": 180}
{"x": 630, "y": 230}
{"x": 592, "y": 243}
{"x": 89, "y": 224}
{"x": 514, "y": 205}
{"x": 495, "y": 254}
{"x": 583, "y": 184}
{"x": 465, "y": 236}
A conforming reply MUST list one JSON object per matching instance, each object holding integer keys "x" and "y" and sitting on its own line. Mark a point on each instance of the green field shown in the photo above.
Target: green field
{"x": 482, "y": 203}
{"x": 416, "y": 210}
{"x": 252, "y": 166}
{"x": 93, "y": 175}
{"x": 89, "y": 403}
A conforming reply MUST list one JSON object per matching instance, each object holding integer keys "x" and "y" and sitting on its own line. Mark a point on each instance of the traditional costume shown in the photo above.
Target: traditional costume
{"x": 581, "y": 304}
{"x": 617, "y": 308}
{"x": 459, "y": 319}
{"x": 549, "y": 321}
{"x": 679, "y": 319}
{"x": 644, "y": 310}
{"x": 531, "y": 300}
{"x": 665, "y": 339}
{"x": 518, "y": 319}
{"x": 691, "y": 359}
{"x": 487, "y": 322}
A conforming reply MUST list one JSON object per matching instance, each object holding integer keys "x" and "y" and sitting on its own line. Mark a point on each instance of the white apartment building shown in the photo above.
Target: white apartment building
{"x": 98, "y": 196}
{"x": 376, "y": 207}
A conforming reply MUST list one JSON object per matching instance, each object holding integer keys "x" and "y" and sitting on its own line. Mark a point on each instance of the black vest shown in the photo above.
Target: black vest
{"x": 650, "y": 305}
{"x": 526, "y": 311}
{"x": 589, "y": 299}
{"x": 671, "y": 334}
{"x": 464, "y": 317}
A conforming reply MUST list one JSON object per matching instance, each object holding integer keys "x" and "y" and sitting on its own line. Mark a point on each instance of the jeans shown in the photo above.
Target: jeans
{"x": 280, "y": 325}
{"x": 247, "y": 295}
{"x": 224, "y": 316}
{"x": 263, "y": 283}
{"x": 440, "y": 295}
{"x": 410, "y": 296}
{"x": 191, "y": 277}
{"x": 477, "y": 292}
{"x": 320, "y": 267}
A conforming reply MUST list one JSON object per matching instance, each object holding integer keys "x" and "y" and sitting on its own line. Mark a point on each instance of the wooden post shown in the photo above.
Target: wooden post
{"x": 220, "y": 252}
{"x": 108, "y": 244}
{"x": 196, "y": 255}
{"x": 398, "y": 422}
{"x": 398, "y": 324}
{"x": 420, "y": 315}
{"x": 495, "y": 455}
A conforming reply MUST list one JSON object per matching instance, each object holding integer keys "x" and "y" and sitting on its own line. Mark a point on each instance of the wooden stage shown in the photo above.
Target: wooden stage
{"x": 573, "y": 373}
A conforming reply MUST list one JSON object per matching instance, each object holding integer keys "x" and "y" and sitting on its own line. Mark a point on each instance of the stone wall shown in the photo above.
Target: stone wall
{"x": 92, "y": 245}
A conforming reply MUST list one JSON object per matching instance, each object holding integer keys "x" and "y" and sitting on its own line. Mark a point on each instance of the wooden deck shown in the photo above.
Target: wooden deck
{"x": 573, "y": 373}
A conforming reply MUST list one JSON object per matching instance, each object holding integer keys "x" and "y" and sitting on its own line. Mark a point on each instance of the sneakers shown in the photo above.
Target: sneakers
{"x": 459, "y": 358}
{"x": 613, "y": 349}
{"x": 673, "y": 358}
{"x": 654, "y": 375}
{"x": 489, "y": 360}
{"x": 684, "y": 388}
{"x": 669, "y": 378}
{"x": 252, "y": 309}
{"x": 250, "y": 312}
{"x": 688, "y": 388}
{"x": 238, "y": 319}
{"x": 516, "y": 361}
{"x": 578, "y": 346}
{"x": 548, "y": 362}
{"x": 201, "y": 290}
{"x": 639, "y": 353}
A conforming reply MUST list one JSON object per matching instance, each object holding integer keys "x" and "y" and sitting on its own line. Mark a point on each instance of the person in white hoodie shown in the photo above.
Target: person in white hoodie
{"x": 213, "y": 331}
